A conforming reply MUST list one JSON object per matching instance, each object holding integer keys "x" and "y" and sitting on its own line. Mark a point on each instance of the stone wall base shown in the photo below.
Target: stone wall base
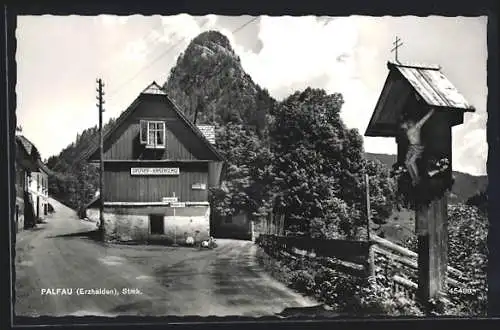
{"x": 135, "y": 224}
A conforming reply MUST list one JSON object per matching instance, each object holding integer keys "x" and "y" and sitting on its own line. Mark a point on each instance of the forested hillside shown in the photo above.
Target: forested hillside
{"x": 72, "y": 181}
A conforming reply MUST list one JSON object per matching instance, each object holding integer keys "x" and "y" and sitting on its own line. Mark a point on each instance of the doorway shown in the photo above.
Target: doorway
{"x": 156, "y": 224}
{"x": 38, "y": 207}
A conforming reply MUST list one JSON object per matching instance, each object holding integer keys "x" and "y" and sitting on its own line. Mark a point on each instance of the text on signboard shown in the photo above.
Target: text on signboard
{"x": 154, "y": 171}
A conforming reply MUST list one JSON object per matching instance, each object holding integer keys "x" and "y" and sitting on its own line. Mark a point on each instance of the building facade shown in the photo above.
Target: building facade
{"x": 39, "y": 190}
{"x": 158, "y": 168}
{"x": 238, "y": 226}
{"x": 31, "y": 185}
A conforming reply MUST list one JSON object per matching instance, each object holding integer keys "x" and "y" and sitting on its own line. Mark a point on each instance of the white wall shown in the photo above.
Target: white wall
{"x": 38, "y": 188}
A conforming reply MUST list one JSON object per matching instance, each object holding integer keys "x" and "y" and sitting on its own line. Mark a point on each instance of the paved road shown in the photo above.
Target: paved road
{"x": 158, "y": 280}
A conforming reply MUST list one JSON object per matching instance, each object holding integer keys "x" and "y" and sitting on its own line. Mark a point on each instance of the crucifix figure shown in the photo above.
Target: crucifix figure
{"x": 412, "y": 130}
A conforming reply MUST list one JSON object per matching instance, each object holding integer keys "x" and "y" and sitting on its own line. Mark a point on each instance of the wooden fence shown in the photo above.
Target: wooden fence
{"x": 360, "y": 258}
{"x": 344, "y": 255}
{"x": 401, "y": 265}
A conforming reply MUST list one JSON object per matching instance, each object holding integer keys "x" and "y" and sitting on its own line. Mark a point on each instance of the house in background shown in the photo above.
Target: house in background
{"x": 244, "y": 226}
{"x": 158, "y": 167}
{"x": 28, "y": 167}
{"x": 238, "y": 226}
{"x": 39, "y": 188}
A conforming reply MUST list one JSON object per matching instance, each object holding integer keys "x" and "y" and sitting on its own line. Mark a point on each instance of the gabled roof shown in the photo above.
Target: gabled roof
{"x": 29, "y": 148}
{"x": 23, "y": 158}
{"x": 432, "y": 86}
{"x": 26, "y": 144}
{"x": 154, "y": 89}
{"x": 403, "y": 80}
{"x": 43, "y": 167}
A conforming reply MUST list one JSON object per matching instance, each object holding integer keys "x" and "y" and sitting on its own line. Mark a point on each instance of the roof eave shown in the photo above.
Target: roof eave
{"x": 371, "y": 123}
{"x": 394, "y": 64}
{"x": 196, "y": 130}
{"x": 381, "y": 131}
{"x": 91, "y": 155}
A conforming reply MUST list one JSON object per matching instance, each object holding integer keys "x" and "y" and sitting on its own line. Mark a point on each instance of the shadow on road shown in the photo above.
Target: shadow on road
{"x": 318, "y": 311}
{"x": 35, "y": 228}
{"x": 91, "y": 234}
{"x": 137, "y": 307}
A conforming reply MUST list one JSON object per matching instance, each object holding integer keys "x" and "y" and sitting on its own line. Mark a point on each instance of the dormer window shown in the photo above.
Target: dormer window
{"x": 152, "y": 134}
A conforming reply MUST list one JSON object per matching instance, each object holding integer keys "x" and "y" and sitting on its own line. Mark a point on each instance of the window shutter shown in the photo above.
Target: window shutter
{"x": 161, "y": 127}
{"x": 144, "y": 132}
{"x": 165, "y": 135}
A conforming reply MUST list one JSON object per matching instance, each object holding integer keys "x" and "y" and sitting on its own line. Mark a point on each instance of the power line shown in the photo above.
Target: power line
{"x": 244, "y": 25}
{"x": 144, "y": 39}
{"x": 146, "y": 67}
{"x": 155, "y": 39}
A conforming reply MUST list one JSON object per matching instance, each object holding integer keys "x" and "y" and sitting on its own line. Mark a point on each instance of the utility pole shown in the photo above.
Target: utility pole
{"x": 100, "y": 95}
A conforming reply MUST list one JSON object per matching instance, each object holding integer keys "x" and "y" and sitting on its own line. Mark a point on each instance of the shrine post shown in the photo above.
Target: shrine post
{"x": 412, "y": 91}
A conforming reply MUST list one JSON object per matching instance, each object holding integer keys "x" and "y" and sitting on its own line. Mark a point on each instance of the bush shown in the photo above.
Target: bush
{"x": 341, "y": 221}
{"x": 302, "y": 281}
{"x": 345, "y": 293}
{"x": 359, "y": 296}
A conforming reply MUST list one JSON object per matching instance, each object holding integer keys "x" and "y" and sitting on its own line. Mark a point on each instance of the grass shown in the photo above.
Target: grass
{"x": 399, "y": 227}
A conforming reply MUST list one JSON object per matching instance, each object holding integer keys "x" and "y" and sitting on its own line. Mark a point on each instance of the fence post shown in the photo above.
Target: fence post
{"x": 371, "y": 261}
{"x": 371, "y": 252}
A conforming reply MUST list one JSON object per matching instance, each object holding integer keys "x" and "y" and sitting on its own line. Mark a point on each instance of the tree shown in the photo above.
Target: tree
{"x": 72, "y": 180}
{"x": 246, "y": 184}
{"x": 479, "y": 200}
{"x": 319, "y": 166}
{"x": 383, "y": 190}
{"x": 308, "y": 140}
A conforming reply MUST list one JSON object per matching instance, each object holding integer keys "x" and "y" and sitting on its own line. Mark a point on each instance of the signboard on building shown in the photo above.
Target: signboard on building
{"x": 178, "y": 204}
{"x": 169, "y": 199}
{"x": 154, "y": 171}
{"x": 199, "y": 186}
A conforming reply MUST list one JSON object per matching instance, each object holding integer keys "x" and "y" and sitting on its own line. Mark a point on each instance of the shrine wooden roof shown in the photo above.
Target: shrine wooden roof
{"x": 403, "y": 80}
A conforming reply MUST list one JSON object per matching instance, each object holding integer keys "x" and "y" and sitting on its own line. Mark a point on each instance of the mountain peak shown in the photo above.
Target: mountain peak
{"x": 210, "y": 85}
{"x": 213, "y": 40}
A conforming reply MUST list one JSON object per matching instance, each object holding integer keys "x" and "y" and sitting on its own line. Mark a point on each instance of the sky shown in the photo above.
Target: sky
{"x": 60, "y": 58}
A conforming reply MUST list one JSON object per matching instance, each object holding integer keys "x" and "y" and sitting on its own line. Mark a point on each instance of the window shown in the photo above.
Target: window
{"x": 152, "y": 134}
